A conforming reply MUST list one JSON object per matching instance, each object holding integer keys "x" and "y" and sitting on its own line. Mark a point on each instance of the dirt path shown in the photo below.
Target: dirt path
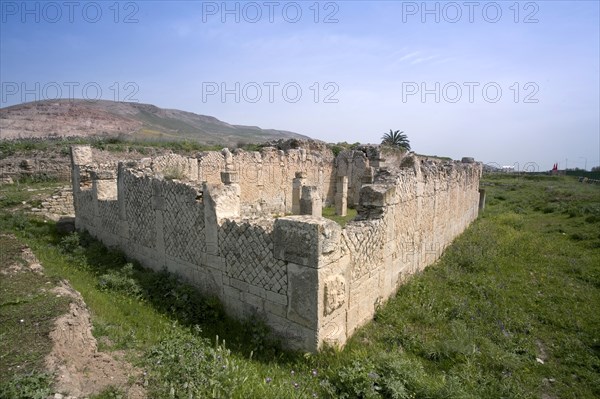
{"x": 80, "y": 369}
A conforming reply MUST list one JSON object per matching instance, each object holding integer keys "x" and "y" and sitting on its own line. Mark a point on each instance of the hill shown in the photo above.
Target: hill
{"x": 68, "y": 118}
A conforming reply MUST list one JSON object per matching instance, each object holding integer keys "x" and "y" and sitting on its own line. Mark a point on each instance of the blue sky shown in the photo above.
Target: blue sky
{"x": 511, "y": 83}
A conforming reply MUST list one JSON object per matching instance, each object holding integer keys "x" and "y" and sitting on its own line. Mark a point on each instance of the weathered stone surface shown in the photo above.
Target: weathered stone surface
{"x": 174, "y": 167}
{"x": 6, "y": 180}
{"x": 81, "y": 155}
{"x": 230, "y": 177}
{"x": 304, "y": 239}
{"x": 302, "y": 308}
{"x": 310, "y": 201}
{"x": 297, "y": 184}
{"x": 374, "y": 198}
{"x": 335, "y": 293}
{"x": 225, "y": 200}
{"x": 341, "y": 196}
{"x": 313, "y": 281}
{"x": 481, "y": 200}
{"x": 106, "y": 189}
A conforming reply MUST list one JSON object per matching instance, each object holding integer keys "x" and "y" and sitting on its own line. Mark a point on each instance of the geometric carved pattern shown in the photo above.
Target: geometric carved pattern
{"x": 366, "y": 242}
{"x": 139, "y": 210}
{"x": 109, "y": 215}
{"x": 183, "y": 218}
{"x": 85, "y": 207}
{"x": 248, "y": 252}
{"x": 174, "y": 163}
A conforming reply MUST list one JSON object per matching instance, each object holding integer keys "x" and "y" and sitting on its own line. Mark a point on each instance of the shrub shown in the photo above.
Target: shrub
{"x": 122, "y": 281}
{"x": 69, "y": 243}
{"x": 185, "y": 365}
{"x": 110, "y": 393}
{"x": 260, "y": 338}
{"x": 174, "y": 173}
{"x": 27, "y": 386}
{"x": 357, "y": 380}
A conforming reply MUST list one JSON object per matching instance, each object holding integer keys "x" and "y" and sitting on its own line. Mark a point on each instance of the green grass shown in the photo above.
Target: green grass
{"x": 329, "y": 213}
{"x": 142, "y": 144}
{"x": 13, "y": 195}
{"x": 509, "y": 311}
{"x": 27, "y": 313}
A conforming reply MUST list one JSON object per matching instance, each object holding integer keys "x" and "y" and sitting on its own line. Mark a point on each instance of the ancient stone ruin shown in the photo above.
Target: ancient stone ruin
{"x": 247, "y": 226}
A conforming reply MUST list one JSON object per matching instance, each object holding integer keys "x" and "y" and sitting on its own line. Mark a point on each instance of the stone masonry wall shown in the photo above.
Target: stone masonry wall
{"x": 265, "y": 176}
{"x": 59, "y": 203}
{"x": 312, "y": 280}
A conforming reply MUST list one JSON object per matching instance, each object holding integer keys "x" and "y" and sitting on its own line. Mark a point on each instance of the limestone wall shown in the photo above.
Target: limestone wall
{"x": 58, "y": 204}
{"x": 311, "y": 280}
{"x": 264, "y": 176}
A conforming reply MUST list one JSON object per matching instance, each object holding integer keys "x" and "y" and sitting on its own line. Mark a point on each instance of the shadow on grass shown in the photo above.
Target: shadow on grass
{"x": 163, "y": 291}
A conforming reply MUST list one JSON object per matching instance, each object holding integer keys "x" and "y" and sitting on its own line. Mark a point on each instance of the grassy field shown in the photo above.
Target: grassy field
{"x": 510, "y": 311}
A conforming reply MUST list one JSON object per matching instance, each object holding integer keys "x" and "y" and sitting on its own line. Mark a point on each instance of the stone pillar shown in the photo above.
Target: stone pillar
{"x": 104, "y": 188}
{"x": 378, "y": 162}
{"x": 80, "y": 155}
{"x": 310, "y": 202}
{"x": 158, "y": 260}
{"x": 104, "y": 183}
{"x": 220, "y": 202}
{"x": 481, "y": 200}
{"x": 341, "y": 196}
{"x": 374, "y": 198}
{"x": 369, "y": 176}
{"x": 297, "y": 184}
{"x": 121, "y": 193}
{"x": 228, "y": 159}
{"x": 316, "y": 297}
{"x": 230, "y": 177}
{"x": 211, "y": 227}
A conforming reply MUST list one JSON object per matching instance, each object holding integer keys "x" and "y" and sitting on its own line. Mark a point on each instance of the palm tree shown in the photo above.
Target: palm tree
{"x": 396, "y": 139}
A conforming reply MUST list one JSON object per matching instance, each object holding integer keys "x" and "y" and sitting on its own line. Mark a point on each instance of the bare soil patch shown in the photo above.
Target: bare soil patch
{"x": 80, "y": 369}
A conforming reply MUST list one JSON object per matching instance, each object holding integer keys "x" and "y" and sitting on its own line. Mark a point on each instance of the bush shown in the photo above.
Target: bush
{"x": 357, "y": 380}
{"x": 110, "y": 393}
{"x": 260, "y": 337}
{"x": 69, "y": 243}
{"x": 122, "y": 281}
{"x": 28, "y": 386}
{"x": 185, "y": 365}
{"x": 174, "y": 173}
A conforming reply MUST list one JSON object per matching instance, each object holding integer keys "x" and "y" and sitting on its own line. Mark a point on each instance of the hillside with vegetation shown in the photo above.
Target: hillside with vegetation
{"x": 127, "y": 120}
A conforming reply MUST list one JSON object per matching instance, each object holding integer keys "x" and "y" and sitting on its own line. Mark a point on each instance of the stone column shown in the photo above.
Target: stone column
{"x": 220, "y": 202}
{"x": 341, "y": 196}
{"x": 104, "y": 183}
{"x": 374, "y": 198}
{"x": 316, "y": 297}
{"x": 297, "y": 184}
{"x": 230, "y": 177}
{"x": 80, "y": 155}
{"x": 104, "y": 188}
{"x": 481, "y": 200}
{"x": 310, "y": 202}
{"x": 121, "y": 193}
